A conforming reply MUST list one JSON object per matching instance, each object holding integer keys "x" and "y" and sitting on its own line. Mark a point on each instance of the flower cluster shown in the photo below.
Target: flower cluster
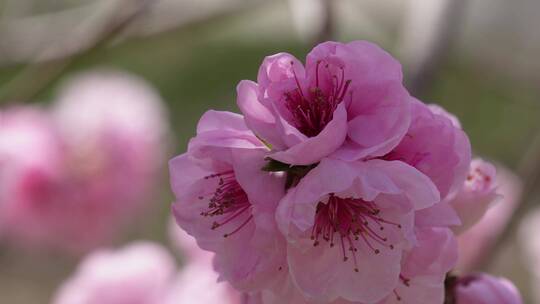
{"x": 335, "y": 186}
{"x": 71, "y": 176}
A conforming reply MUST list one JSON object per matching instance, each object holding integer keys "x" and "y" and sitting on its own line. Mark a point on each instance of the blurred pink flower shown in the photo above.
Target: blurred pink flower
{"x": 140, "y": 273}
{"x": 477, "y": 194}
{"x": 116, "y": 128}
{"x": 227, "y": 202}
{"x": 476, "y": 242}
{"x": 145, "y": 273}
{"x": 31, "y": 173}
{"x": 95, "y": 163}
{"x": 349, "y": 225}
{"x": 349, "y": 97}
{"x": 485, "y": 289}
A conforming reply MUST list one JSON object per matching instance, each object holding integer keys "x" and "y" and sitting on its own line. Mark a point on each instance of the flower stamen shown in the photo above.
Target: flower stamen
{"x": 352, "y": 220}
{"x": 311, "y": 113}
{"x": 228, "y": 201}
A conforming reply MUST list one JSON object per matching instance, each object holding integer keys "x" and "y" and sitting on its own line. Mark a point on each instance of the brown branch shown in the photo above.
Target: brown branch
{"x": 529, "y": 170}
{"x": 46, "y": 72}
{"x": 37, "y": 76}
{"x": 422, "y": 76}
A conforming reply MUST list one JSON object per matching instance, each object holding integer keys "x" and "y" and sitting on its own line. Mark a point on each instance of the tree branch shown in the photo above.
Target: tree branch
{"x": 38, "y": 75}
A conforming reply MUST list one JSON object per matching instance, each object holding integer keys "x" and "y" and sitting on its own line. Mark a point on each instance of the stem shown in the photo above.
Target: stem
{"x": 529, "y": 170}
{"x": 441, "y": 39}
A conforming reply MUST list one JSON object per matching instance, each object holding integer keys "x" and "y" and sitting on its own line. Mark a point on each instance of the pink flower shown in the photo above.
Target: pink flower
{"x": 485, "y": 289}
{"x": 116, "y": 128}
{"x": 136, "y": 274}
{"x": 28, "y": 180}
{"x": 436, "y": 146}
{"x": 477, "y": 194}
{"x": 476, "y": 242}
{"x": 349, "y": 225}
{"x": 145, "y": 273}
{"x": 24, "y": 129}
{"x": 227, "y": 202}
{"x": 348, "y": 97}
{"x": 363, "y": 221}
{"x": 99, "y": 160}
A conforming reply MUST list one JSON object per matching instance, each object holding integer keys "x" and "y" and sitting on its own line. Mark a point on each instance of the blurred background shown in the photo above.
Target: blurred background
{"x": 476, "y": 58}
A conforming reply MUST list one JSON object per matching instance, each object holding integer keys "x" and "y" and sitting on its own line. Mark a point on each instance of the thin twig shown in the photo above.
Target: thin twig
{"x": 37, "y": 76}
{"x": 46, "y": 72}
{"x": 444, "y": 36}
{"x": 529, "y": 170}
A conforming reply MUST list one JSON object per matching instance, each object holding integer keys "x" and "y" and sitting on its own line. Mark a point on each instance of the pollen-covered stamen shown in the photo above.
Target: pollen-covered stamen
{"x": 478, "y": 175}
{"x": 351, "y": 222}
{"x": 311, "y": 110}
{"x": 228, "y": 201}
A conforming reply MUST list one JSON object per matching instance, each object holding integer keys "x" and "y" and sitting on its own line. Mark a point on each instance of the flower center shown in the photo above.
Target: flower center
{"x": 311, "y": 112}
{"x": 350, "y": 221}
{"x": 229, "y": 202}
{"x": 479, "y": 180}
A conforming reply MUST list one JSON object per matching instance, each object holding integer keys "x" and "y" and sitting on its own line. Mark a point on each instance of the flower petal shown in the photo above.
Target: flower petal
{"x": 257, "y": 116}
{"x": 321, "y": 274}
{"x": 313, "y": 149}
{"x": 417, "y": 187}
{"x": 220, "y": 121}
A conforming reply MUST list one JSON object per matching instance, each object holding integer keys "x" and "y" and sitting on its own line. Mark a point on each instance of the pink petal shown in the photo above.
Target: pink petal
{"x": 221, "y": 121}
{"x": 323, "y": 276}
{"x": 376, "y": 129}
{"x": 416, "y": 186}
{"x": 264, "y": 189}
{"x": 438, "y": 215}
{"x": 436, "y": 147}
{"x": 277, "y": 68}
{"x": 184, "y": 173}
{"x": 315, "y": 148}
{"x": 421, "y": 290}
{"x": 257, "y": 116}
